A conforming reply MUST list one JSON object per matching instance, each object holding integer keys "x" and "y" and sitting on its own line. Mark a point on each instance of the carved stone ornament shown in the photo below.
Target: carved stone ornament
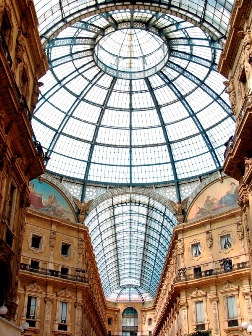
{"x": 33, "y": 288}
{"x": 81, "y": 245}
{"x": 52, "y": 239}
{"x": 48, "y": 316}
{"x": 209, "y": 238}
{"x": 64, "y": 293}
{"x": 179, "y": 209}
{"x": 247, "y": 47}
{"x": 35, "y": 94}
{"x": 230, "y": 90}
{"x": 229, "y": 288}
{"x": 248, "y": 164}
{"x": 180, "y": 246}
{"x": 20, "y": 47}
{"x": 240, "y": 230}
{"x": 83, "y": 209}
{"x": 198, "y": 293}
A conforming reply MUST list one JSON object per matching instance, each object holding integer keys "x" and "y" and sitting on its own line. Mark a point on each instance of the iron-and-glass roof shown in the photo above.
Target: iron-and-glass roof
{"x": 130, "y": 235}
{"x": 133, "y": 97}
{"x": 110, "y": 123}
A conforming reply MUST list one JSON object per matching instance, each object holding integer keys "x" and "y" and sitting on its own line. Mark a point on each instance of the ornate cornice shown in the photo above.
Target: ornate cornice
{"x": 240, "y": 12}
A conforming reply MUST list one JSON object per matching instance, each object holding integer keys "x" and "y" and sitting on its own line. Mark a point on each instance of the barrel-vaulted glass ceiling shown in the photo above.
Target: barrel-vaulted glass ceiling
{"x": 133, "y": 97}
{"x": 130, "y": 235}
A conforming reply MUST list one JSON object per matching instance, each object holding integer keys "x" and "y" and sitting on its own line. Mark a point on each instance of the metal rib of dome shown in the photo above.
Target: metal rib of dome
{"x": 164, "y": 128}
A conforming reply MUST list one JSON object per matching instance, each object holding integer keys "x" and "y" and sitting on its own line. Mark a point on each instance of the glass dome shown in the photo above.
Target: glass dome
{"x": 166, "y": 127}
{"x": 131, "y": 53}
{"x": 133, "y": 98}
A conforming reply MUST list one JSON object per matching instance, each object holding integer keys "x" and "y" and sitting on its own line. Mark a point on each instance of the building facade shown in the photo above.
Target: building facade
{"x": 48, "y": 268}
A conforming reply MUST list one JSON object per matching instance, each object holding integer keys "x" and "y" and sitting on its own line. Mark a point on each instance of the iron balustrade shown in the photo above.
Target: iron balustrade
{"x": 184, "y": 275}
{"x": 55, "y": 273}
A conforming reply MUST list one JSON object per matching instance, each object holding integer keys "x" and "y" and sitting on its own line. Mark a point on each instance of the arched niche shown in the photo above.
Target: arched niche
{"x": 218, "y": 196}
{"x": 46, "y": 198}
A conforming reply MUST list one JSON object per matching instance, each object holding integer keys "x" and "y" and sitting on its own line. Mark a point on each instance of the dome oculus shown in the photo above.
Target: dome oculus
{"x": 131, "y": 53}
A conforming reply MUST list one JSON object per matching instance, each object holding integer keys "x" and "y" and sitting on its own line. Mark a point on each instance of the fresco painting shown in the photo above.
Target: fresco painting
{"x": 47, "y": 200}
{"x": 219, "y": 197}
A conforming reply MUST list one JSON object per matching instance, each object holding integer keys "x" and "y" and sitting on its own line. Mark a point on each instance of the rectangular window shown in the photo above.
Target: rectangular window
{"x": 232, "y": 311}
{"x": 231, "y": 308}
{"x": 65, "y": 249}
{"x": 200, "y": 315}
{"x": 9, "y": 237}
{"x": 63, "y": 312}
{"x": 196, "y": 250}
{"x": 197, "y": 272}
{"x": 31, "y": 310}
{"x": 36, "y": 241}
{"x": 225, "y": 242}
{"x": 63, "y": 316}
{"x": 34, "y": 265}
{"x": 64, "y": 272}
{"x": 10, "y": 204}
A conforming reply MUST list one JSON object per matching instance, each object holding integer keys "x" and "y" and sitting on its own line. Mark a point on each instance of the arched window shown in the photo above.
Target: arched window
{"x": 129, "y": 322}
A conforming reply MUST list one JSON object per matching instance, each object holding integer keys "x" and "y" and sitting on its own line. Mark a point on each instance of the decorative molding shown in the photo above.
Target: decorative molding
{"x": 229, "y": 288}
{"x": 33, "y": 288}
{"x": 209, "y": 238}
{"x": 128, "y": 191}
{"x": 48, "y": 316}
{"x": 64, "y": 293}
{"x": 198, "y": 293}
{"x": 240, "y": 230}
{"x": 215, "y": 314}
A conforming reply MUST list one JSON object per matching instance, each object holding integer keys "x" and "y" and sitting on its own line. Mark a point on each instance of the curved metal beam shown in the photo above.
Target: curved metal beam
{"x": 171, "y": 8}
{"x": 67, "y": 116}
{"x": 193, "y": 116}
{"x": 200, "y": 83}
{"x": 90, "y": 154}
{"x": 147, "y": 81}
{"x": 66, "y": 41}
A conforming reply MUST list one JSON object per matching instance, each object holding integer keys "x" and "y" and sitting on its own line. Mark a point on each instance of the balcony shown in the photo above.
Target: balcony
{"x": 187, "y": 274}
{"x": 18, "y": 110}
{"x": 56, "y": 274}
{"x": 240, "y": 145}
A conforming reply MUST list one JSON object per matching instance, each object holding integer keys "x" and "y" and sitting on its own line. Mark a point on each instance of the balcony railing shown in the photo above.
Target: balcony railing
{"x": 53, "y": 273}
{"x": 20, "y": 98}
{"x": 185, "y": 274}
